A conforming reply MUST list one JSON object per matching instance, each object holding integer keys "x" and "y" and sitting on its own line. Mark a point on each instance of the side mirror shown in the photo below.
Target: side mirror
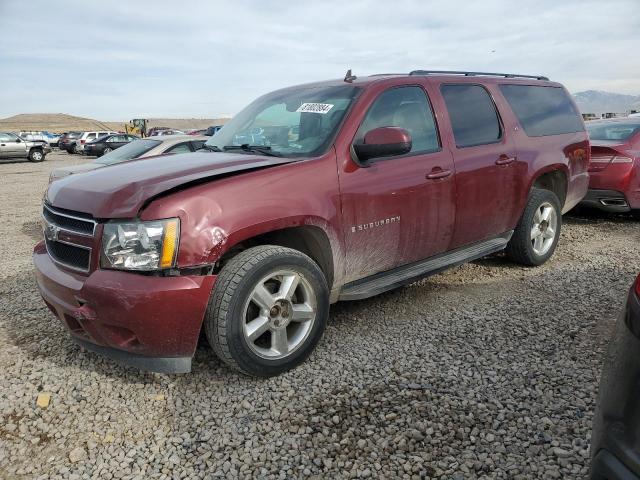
{"x": 383, "y": 142}
{"x": 18, "y": 140}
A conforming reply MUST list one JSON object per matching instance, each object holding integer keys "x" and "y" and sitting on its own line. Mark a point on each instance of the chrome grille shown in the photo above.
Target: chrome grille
{"x": 71, "y": 222}
{"x": 72, "y": 227}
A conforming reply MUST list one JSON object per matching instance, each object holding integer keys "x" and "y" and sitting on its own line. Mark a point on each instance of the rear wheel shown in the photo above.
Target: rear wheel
{"x": 36, "y": 155}
{"x": 268, "y": 310}
{"x": 536, "y": 236}
{"x": 74, "y": 149}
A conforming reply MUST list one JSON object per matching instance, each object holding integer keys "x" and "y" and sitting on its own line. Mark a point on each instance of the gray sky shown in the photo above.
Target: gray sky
{"x": 119, "y": 60}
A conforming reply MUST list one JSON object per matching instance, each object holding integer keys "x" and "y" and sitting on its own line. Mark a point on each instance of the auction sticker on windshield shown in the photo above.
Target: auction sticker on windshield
{"x": 322, "y": 108}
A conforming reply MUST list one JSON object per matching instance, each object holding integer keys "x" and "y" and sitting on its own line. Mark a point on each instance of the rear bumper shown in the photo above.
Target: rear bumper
{"x": 618, "y": 177}
{"x": 607, "y": 200}
{"x": 152, "y": 323}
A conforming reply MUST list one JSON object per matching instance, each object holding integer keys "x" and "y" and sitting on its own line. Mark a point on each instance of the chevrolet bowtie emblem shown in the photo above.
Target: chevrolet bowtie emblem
{"x": 51, "y": 232}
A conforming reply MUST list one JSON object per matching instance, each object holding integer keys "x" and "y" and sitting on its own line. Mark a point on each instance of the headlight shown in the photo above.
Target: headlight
{"x": 140, "y": 245}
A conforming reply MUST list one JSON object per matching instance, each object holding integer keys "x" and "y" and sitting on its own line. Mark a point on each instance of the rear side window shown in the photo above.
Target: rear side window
{"x": 404, "y": 107}
{"x": 473, "y": 115}
{"x": 543, "y": 110}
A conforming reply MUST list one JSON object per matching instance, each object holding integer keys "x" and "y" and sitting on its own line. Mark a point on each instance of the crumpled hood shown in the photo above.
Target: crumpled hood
{"x": 121, "y": 190}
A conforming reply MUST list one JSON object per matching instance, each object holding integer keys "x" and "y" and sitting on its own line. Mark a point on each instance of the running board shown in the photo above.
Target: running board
{"x": 384, "y": 281}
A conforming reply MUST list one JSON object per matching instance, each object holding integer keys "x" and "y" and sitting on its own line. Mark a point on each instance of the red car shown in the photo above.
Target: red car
{"x": 615, "y": 441}
{"x": 615, "y": 165}
{"x": 351, "y": 188}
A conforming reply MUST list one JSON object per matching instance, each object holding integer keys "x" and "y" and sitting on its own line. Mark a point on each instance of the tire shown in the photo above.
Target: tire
{"x": 524, "y": 247}
{"x": 36, "y": 155}
{"x": 252, "y": 275}
{"x": 106, "y": 150}
{"x": 74, "y": 149}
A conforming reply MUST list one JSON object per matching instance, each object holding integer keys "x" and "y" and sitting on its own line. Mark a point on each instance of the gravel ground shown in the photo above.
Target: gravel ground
{"x": 488, "y": 370}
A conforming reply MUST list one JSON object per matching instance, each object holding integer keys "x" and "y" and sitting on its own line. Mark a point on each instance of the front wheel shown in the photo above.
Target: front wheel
{"x": 106, "y": 150}
{"x": 268, "y": 310}
{"x": 36, "y": 155}
{"x": 536, "y": 236}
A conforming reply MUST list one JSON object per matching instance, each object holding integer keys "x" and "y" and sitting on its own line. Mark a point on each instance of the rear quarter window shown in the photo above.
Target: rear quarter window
{"x": 543, "y": 111}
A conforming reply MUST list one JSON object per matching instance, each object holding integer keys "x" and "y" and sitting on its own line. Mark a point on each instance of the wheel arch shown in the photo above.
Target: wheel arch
{"x": 310, "y": 239}
{"x": 554, "y": 178}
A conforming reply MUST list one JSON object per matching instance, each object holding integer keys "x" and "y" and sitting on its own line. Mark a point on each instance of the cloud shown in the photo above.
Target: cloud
{"x": 120, "y": 60}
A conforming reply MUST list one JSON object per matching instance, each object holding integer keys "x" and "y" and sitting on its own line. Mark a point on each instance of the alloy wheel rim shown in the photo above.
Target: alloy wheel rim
{"x": 37, "y": 155}
{"x": 544, "y": 229}
{"x": 279, "y": 314}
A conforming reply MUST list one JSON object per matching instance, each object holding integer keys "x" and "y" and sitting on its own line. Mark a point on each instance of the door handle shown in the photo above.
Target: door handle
{"x": 439, "y": 173}
{"x": 505, "y": 160}
{"x": 2, "y": 145}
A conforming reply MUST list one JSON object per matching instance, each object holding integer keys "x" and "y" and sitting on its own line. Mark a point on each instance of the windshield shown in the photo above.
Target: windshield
{"x": 128, "y": 152}
{"x": 293, "y": 122}
{"x": 613, "y": 130}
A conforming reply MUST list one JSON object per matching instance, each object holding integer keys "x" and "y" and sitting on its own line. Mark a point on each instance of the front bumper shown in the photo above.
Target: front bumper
{"x": 615, "y": 441}
{"x": 606, "y": 200}
{"x": 152, "y": 323}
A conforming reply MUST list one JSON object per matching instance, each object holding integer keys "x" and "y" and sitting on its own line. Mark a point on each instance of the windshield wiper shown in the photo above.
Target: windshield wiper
{"x": 245, "y": 147}
{"x": 211, "y": 148}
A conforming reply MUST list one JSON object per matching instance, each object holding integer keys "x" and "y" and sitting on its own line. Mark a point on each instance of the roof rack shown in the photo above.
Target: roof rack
{"x": 475, "y": 74}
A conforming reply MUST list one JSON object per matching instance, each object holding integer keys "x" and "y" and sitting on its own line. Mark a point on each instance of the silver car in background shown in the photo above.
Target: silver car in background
{"x": 139, "y": 149}
{"x": 13, "y": 146}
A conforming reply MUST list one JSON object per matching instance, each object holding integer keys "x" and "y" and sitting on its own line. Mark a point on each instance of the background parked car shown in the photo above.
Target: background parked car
{"x": 152, "y": 131}
{"x": 212, "y": 130}
{"x": 168, "y": 131}
{"x": 51, "y": 138}
{"x": 614, "y": 183}
{"x": 13, "y": 146}
{"x": 201, "y": 131}
{"x": 54, "y": 138}
{"x": 108, "y": 143}
{"x": 87, "y": 137}
{"x": 615, "y": 445}
{"x": 141, "y": 148}
{"x": 67, "y": 140}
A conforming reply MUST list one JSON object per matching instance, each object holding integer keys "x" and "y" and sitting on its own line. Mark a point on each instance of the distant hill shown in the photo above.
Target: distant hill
{"x": 61, "y": 122}
{"x": 598, "y": 102}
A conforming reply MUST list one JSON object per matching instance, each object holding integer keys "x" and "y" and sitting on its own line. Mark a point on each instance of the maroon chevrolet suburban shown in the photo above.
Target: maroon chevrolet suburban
{"x": 317, "y": 193}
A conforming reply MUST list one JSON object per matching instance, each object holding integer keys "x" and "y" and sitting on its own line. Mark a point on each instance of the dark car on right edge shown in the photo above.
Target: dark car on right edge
{"x": 615, "y": 442}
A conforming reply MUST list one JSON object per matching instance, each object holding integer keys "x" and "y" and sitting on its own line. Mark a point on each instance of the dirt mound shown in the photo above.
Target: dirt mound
{"x": 62, "y": 122}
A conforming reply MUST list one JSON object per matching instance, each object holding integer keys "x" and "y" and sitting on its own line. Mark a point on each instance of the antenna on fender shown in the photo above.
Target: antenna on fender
{"x": 349, "y": 78}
